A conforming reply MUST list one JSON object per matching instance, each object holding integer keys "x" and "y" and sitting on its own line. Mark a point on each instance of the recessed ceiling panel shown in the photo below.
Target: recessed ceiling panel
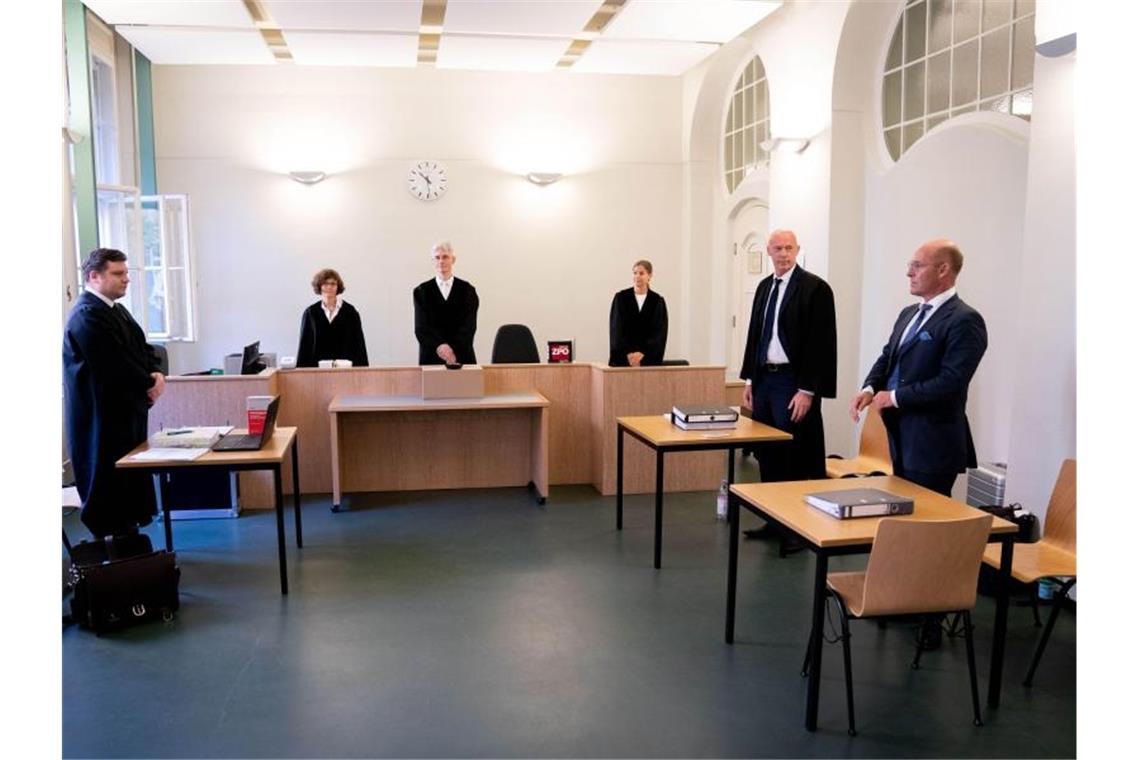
{"x": 642, "y": 57}
{"x": 342, "y": 49}
{"x": 549, "y": 17}
{"x": 347, "y": 15}
{"x": 702, "y": 20}
{"x": 500, "y": 53}
{"x": 167, "y": 46}
{"x": 222, "y": 13}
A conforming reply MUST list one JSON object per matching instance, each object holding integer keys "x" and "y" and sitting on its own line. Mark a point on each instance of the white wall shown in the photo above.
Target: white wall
{"x": 548, "y": 257}
{"x": 1044, "y": 414}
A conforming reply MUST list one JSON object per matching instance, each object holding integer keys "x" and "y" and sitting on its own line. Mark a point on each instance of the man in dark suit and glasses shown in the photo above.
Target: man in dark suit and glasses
{"x": 111, "y": 379}
{"x": 790, "y": 361}
{"x": 919, "y": 382}
{"x": 445, "y": 311}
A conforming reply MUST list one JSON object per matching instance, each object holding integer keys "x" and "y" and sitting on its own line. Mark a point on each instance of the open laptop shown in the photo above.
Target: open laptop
{"x": 247, "y": 442}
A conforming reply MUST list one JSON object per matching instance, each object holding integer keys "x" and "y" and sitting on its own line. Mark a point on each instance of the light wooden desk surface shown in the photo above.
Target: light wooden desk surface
{"x": 353, "y": 403}
{"x": 784, "y": 502}
{"x": 273, "y": 451}
{"x": 657, "y": 430}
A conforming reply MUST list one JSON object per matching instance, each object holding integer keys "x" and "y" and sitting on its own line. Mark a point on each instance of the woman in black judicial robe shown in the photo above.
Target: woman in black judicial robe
{"x": 638, "y": 332}
{"x": 342, "y": 338}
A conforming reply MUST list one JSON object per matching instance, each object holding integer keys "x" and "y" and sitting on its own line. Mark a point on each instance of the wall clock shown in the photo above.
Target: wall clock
{"x": 427, "y": 180}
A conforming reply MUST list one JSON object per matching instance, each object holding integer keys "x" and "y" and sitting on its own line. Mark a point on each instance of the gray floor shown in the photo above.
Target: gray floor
{"x": 476, "y": 624}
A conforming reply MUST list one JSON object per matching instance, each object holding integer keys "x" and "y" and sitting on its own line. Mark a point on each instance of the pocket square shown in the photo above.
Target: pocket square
{"x": 924, "y": 335}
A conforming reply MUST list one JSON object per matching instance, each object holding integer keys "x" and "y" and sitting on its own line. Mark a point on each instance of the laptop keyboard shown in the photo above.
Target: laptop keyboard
{"x": 236, "y": 441}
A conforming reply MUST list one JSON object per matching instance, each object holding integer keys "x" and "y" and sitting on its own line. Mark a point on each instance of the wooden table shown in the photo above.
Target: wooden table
{"x": 498, "y": 440}
{"x": 660, "y": 434}
{"x": 828, "y": 537}
{"x": 270, "y": 457}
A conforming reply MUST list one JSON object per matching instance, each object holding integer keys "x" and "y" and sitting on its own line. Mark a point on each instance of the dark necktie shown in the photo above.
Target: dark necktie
{"x": 893, "y": 380}
{"x": 769, "y": 321}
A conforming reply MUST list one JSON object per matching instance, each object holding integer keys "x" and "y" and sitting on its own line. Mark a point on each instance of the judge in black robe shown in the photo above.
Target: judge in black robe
{"x": 638, "y": 335}
{"x": 445, "y": 326}
{"x": 341, "y": 338}
{"x": 111, "y": 379}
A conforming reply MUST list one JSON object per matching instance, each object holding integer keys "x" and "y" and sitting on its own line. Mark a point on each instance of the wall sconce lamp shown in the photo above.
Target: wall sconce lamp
{"x": 785, "y": 144}
{"x": 308, "y": 178}
{"x": 543, "y": 178}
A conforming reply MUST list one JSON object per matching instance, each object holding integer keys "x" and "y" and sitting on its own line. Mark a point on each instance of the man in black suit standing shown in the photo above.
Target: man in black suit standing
{"x": 446, "y": 307}
{"x": 790, "y": 361}
{"x": 919, "y": 382}
{"x": 111, "y": 379}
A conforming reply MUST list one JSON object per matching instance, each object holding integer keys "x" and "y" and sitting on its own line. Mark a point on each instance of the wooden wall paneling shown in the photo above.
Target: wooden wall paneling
{"x": 567, "y": 386}
{"x": 654, "y": 390}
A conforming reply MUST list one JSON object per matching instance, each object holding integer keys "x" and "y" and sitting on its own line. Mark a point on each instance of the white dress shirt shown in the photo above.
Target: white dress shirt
{"x": 640, "y": 299}
{"x": 331, "y": 313}
{"x": 444, "y": 285}
{"x": 776, "y": 353}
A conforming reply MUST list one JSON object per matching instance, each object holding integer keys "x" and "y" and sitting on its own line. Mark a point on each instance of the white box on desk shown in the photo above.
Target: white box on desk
{"x": 441, "y": 382}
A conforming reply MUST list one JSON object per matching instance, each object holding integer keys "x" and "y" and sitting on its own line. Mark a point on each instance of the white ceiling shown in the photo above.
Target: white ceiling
{"x": 656, "y": 37}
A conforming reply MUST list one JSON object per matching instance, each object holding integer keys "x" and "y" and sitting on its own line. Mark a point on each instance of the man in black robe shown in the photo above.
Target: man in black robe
{"x": 446, "y": 307}
{"x": 111, "y": 379}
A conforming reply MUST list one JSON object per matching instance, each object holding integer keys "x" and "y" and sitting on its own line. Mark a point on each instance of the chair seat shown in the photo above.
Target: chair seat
{"x": 849, "y": 587}
{"x": 860, "y": 465}
{"x": 1031, "y": 562}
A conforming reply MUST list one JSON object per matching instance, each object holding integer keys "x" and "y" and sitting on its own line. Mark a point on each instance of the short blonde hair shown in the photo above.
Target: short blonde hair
{"x": 644, "y": 263}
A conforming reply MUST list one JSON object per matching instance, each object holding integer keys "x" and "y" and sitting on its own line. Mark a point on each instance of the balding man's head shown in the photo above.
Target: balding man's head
{"x": 934, "y": 268}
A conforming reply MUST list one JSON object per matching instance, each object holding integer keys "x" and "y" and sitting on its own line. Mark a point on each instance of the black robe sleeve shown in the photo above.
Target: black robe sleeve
{"x": 617, "y": 334}
{"x": 465, "y": 334}
{"x": 307, "y": 346}
{"x": 427, "y": 335}
{"x": 357, "y": 352}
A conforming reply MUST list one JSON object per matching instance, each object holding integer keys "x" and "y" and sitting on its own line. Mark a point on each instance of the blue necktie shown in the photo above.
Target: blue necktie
{"x": 769, "y": 320}
{"x": 893, "y": 380}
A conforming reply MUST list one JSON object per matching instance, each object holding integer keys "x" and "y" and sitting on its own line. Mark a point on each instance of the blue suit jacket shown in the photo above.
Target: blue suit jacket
{"x": 928, "y": 432}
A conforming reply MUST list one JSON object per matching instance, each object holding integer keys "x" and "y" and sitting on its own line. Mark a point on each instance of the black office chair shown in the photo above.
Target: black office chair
{"x": 674, "y": 362}
{"x": 163, "y": 359}
{"x": 514, "y": 344}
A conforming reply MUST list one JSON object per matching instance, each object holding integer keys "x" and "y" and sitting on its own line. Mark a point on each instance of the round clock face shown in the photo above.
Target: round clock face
{"x": 427, "y": 180}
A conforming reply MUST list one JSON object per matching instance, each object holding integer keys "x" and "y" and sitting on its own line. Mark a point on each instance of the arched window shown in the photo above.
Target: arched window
{"x": 950, "y": 57}
{"x": 746, "y": 125}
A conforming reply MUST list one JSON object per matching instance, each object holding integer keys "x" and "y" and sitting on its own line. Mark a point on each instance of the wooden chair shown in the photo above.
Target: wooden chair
{"x": 927, "y": 568}
{"x": 1054, "y": 557}
{"x": 874, "y": 456}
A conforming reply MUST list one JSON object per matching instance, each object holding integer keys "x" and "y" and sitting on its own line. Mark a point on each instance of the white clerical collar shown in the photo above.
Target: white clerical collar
{"x": 99, "y": 295}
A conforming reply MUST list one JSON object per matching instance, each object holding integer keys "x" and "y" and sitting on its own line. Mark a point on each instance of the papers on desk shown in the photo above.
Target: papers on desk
{"x": 168, "y": 454}
{"x": 188, "y": 437}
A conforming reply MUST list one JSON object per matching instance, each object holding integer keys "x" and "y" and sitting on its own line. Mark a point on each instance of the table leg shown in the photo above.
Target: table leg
{"x": 620, "y": 471}
{"x": 162, "y": 499}
{"x": 997, "y": 654}
{"x": 815, "y": 642}
{"x": 334, "y": 450}
{"x": 733, "y": 553}
{"x": 731, "y": 466}
{"x": 279, "y": 508}
{"x": 657, "y": 504}
{"x": 297, "y": 496}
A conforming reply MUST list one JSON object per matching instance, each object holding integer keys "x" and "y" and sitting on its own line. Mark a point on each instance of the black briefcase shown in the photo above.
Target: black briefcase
{"x": 113, "y": 591}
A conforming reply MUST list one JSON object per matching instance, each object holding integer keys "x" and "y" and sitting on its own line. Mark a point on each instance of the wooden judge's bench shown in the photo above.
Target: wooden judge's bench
{"x": 585, "y": 400}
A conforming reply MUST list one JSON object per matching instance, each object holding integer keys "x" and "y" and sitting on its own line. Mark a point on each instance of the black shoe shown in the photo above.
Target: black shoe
{"x": 764, "y": 531}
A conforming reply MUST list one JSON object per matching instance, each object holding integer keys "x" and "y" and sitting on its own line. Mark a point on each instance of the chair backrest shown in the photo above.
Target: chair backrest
{"x": 1061, "y": 519}
{"x": 873, "y": 440}
{"x": 924, "y": 566}
{"x": 514, "y": 344}
{"x": 163, "y": 359}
